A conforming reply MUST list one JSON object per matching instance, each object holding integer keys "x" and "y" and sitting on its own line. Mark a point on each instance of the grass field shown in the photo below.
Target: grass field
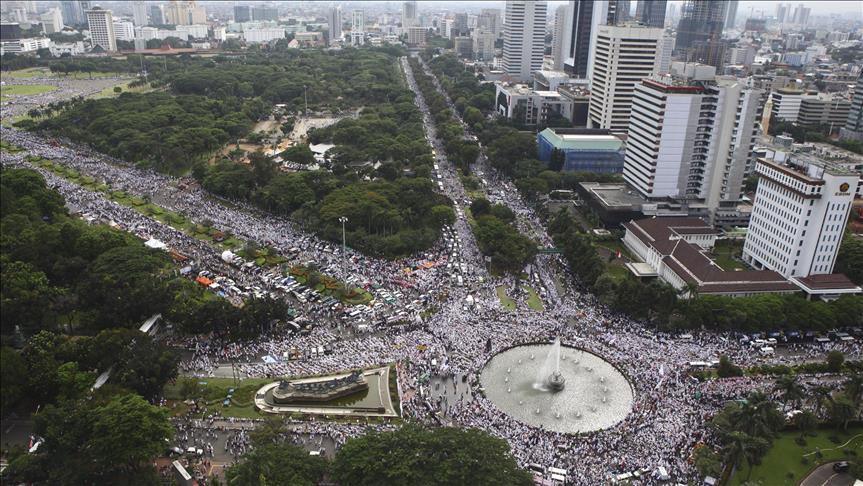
{"x": 27, "y": 73}
{"x": 783, "y": 466}
{"x": 109, "y": 92}
{"x": 723, "y": 253}
{"x": 214, "y": 391}
{"x": 533, "y": 300}
{"x": 24, "y": 89}
{"x": 505, "y": 300}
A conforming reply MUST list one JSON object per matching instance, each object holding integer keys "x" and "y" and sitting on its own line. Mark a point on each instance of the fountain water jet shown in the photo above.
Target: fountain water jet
{"x": 549, "y": 377}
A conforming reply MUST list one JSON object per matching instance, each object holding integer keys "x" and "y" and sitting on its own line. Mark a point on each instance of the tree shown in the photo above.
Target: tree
{"x": 277, "y": 464}
{"x": 25, "y": 296}
{"x": 91, "y": 443}
{"x": 822, "y": 395}
{"x": 805, "y": 422}
{"x": 707, "y": 461}
{"x": 741, "y": 446}
{"x": 558, "y": 157}
{"x": 853, "y": 387}
{"x": 834, "y": 360}
{"x": 727, "y": 369}
{"x": 790, "y": 390}
{"x": 842, "y": 410}
{"x": 849, "y": 260}
{"x": 414, "y": 456}
{"x": 13, "y": 379}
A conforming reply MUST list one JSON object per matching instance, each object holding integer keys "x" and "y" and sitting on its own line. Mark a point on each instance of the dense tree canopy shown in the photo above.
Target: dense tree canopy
{"x": 416, "y": 457}
{"x": 88, "y": 442}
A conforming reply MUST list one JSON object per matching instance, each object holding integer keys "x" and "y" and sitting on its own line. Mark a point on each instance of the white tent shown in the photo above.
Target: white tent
{"x": 155, "y": 244}
{"x": 228, "y": 256}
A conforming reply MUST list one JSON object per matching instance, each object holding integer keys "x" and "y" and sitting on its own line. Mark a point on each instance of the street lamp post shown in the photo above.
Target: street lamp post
{"x": 343, "y": 220}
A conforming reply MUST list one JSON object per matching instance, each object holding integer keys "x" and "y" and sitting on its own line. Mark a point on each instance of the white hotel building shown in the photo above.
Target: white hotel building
{"x": 798, "y": 217}
{"x": 691, "y": 137}
{"x": 624, "y": 56}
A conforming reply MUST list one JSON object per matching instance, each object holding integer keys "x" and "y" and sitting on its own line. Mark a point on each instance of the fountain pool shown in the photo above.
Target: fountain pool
{"x": 595, "y": 396}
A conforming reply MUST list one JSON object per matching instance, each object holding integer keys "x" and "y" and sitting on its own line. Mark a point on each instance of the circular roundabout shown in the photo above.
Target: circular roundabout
{"x": 557, "y": 388}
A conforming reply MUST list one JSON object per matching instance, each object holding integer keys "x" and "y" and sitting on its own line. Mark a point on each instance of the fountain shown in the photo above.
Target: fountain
{"x": 549, "y": 377}
{"x": 561, "y": 399}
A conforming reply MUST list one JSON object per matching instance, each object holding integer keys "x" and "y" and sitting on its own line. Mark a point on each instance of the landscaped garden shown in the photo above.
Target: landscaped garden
{"x": 788, "y": 463}
{"x": 505, "y": 300}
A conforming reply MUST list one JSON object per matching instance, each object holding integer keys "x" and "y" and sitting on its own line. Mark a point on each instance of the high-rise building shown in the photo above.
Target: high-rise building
{"x": 417, "y": 36}
{"x": 483, "y": 44}
{"x": 557, "y": 38}
{"x": 579, "y": 37}
{"x": 101, "y": 25}
{"x": 358, "y": 21}
{"x": 651, "y": 12}
{"x": 460, "y": 24}
{"x": 157, "y": 15}
{"x": 701, "y": 146}
{"x": 524, "y": 38}
{"x": 853, "y": 129}
{"x": 824, "y": 110}
{"x": 242, "y": 13}
{"x": 196, "y": 14}
{"x": 52, "y": 21}
{"x": 72, "y": 13}
{"x": 699, "y": 32}
{"x": 666, "y": 48}
{"x": 186, "y": 12}
{"x": 624, "y": 56}
{"x": 731, "y": 15}
{"x": 139, "y": 13}
{"x": 124, "y": 30}
{"x": 799, "y": 216}
{"x": 801, "y": 15}
{"x": 409, "y": 15}
{"x": 489, "y": 19}
{"x": 463, "y": 46}
{"x": 265, "y": 13}
{"x": 781, "y": 12}
{"x": 618, "y": 12}
{"x": 335, "y": 23}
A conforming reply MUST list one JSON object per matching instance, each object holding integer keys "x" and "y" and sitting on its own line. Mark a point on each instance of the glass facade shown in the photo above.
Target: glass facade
{"x": 600, "y": 161}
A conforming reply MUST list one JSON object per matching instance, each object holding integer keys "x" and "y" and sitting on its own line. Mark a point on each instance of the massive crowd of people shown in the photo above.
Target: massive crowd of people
{"x": 440, "y": 355}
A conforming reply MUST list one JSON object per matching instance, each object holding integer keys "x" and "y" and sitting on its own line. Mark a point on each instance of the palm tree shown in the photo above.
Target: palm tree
{"x": 743, "y": 446}
{"x": 822, "y": 395}
{"x": 842, "y": 410}
{"x": 806, "y": 421}
{"x": 790, "y": 390}
{"x": 758, "y": 416}
{"x": 853, "y": 387}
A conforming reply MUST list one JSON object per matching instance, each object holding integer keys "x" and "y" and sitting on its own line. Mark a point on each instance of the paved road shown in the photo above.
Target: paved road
{"x": 825, "y": 476}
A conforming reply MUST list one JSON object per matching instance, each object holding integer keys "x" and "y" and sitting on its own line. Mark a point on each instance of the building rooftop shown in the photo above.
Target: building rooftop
{"x": 580, "y": 139}
{"x": 690, "y": 263}
{"x": 615, "y": 196}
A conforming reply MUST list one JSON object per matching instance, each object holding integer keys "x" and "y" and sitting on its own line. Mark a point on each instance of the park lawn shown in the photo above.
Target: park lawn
{"x": 215, "y": 390}
{"x": 614, "y": 246}
{"x": 109, "y": 92}
{"x": 505, "y": 300}
{"x": 617, "y": 272}
{"x": 27, "y": 73}
{"x": 533, "y": 300}
{"x": 782, "y": 466}
{"x": 24, "y": 89}
{"x": 723, "y": 253}
{"x": 8, "y": 147}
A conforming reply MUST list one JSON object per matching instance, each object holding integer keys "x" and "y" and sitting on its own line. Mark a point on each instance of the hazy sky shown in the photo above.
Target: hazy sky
{"x": 819, "y": 7}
